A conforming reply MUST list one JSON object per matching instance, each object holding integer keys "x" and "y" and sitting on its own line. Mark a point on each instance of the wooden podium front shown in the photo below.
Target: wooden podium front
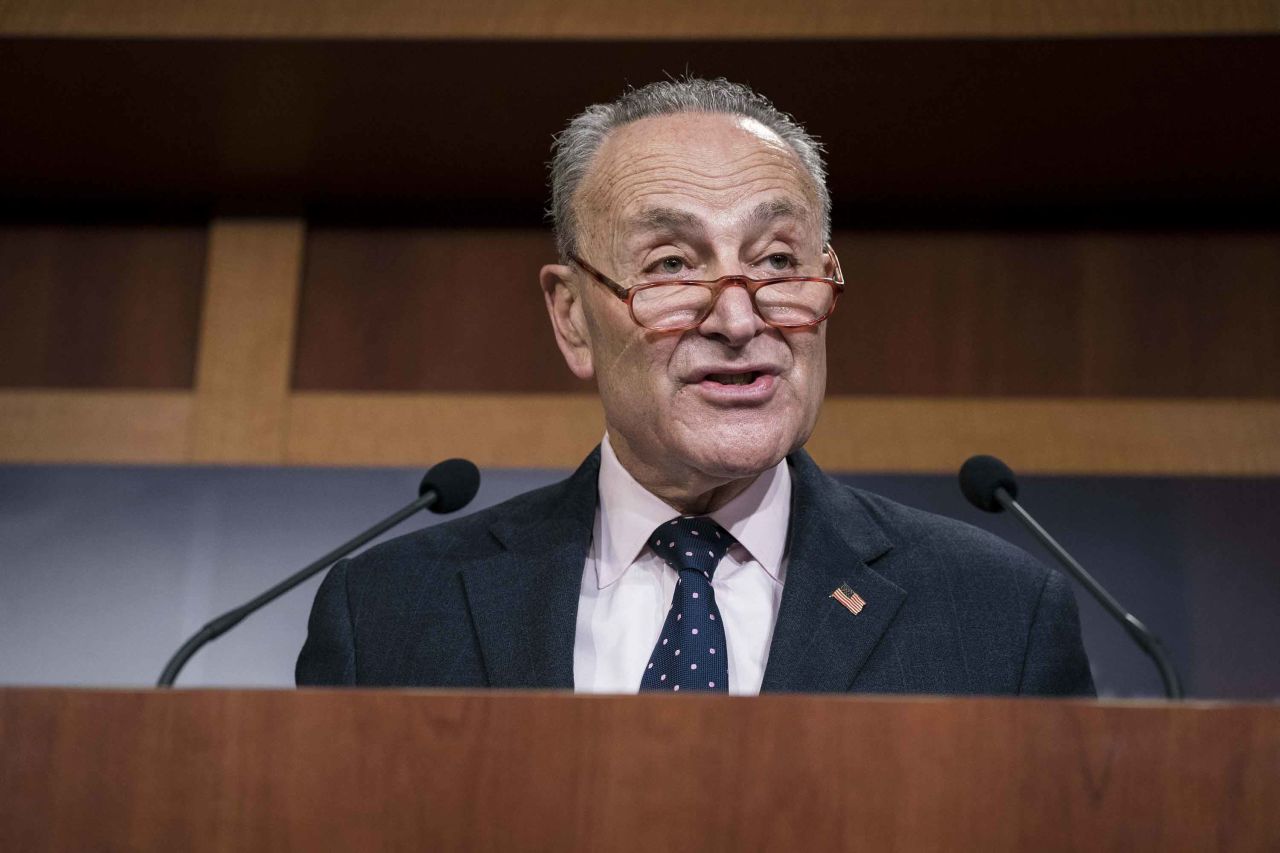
{"x": 425, "y": 770}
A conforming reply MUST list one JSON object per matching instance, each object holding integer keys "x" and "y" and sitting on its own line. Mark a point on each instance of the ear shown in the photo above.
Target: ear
{"x": 568, "y": 321}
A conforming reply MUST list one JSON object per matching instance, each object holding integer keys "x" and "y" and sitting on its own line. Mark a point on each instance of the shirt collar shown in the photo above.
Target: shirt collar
{"x": 758, "y": 517}
{"x": 629, "y": 512}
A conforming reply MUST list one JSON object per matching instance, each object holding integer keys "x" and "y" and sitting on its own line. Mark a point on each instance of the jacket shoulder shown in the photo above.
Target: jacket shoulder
{"x": 1015, "y": 622}
{"x": 978, "y": 553}
{"x": 397, "y": 613}
{"x": 470, "y": 537}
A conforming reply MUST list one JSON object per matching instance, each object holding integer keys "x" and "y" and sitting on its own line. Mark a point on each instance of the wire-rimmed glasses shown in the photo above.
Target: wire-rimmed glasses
{"x": 676, "y": 305}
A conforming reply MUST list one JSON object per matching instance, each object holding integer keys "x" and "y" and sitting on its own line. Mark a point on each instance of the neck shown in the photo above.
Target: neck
{"x": 689, "y": 493}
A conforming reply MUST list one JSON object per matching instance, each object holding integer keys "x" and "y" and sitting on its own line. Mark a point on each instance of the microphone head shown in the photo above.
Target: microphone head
{"x": 455, "y": 482}
{"x": 980, "y": 476}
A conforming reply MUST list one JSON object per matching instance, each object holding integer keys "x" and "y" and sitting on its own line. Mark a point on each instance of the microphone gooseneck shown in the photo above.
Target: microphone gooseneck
{"x": 447, "y": 487}
{"x": 990, "y": 485}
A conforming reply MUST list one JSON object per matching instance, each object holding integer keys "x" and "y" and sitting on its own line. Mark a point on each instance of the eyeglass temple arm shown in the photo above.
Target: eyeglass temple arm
{"x": 617, "y": 289}
{"x": 839, "y": 277}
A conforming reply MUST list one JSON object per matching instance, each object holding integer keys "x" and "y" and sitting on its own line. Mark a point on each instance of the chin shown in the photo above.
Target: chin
{"x": 732, "y": 454}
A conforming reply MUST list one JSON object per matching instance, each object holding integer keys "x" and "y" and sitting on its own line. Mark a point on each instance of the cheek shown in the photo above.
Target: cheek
{"x": 819, "y": 371}
{"x": 812, "y": 386}
{"x": 632, "y": 368}
{"x": 810, "y": 355}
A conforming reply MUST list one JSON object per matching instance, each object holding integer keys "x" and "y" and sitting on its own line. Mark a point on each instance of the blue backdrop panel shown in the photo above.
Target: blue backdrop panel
{"x": 105, "y": 570}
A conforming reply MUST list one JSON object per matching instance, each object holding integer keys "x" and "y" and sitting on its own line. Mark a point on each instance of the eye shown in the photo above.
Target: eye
{"x": 780, "y": 262}
{"x": 671, "y": 265}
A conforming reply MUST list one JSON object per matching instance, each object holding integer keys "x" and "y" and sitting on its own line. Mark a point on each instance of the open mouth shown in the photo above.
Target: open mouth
{"x": 734, "y": 378}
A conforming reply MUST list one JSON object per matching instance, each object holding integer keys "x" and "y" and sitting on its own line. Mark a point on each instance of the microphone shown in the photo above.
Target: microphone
{"x": 447, "y": 487}
{"x": 989, "y": 485}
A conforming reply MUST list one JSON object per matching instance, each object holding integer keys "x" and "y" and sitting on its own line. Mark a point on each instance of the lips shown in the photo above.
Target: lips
{"x": 733, "y": 378}
{"x": 725, "y": 386}
{"x": 744, "y": 374}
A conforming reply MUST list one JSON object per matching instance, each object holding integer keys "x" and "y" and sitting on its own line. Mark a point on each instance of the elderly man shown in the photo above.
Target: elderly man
{"x": 699, "y": 548}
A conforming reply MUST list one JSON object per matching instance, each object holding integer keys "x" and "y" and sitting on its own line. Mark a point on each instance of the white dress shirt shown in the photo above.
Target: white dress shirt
{"x": 627, "y": 588}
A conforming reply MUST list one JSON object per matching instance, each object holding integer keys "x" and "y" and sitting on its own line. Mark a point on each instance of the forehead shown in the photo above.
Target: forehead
{"x": 706, "y": 164}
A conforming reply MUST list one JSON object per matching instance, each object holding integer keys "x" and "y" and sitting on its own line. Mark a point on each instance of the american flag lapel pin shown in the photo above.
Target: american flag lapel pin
{"x": 850, "y": 599}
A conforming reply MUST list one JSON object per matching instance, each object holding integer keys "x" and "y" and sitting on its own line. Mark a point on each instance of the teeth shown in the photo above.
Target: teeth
{"x": 732, "y": 378}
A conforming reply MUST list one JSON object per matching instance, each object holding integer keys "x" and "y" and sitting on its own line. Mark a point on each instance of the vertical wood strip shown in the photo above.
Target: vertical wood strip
{"x": 246, "y": 340}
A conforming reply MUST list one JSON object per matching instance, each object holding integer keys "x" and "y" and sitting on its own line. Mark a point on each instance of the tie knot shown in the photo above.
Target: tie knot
{"x": 691, "y": 542}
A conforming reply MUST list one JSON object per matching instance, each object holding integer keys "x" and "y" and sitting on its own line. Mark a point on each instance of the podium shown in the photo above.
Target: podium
{"x": 430, "y": 770}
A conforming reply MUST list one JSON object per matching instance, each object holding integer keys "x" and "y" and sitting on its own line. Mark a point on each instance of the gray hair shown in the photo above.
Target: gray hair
{"x": 575, "y": 147}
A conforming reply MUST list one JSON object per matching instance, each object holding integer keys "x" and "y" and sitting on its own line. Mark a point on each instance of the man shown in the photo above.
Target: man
{"x": 699, "y": 548}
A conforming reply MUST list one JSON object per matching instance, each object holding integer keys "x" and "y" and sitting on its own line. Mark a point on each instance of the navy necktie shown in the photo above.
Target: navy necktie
{"x": 690, "y": 653}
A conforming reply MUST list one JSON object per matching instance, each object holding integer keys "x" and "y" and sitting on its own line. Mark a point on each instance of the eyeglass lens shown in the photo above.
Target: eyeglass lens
{"x": 786, "y": 303}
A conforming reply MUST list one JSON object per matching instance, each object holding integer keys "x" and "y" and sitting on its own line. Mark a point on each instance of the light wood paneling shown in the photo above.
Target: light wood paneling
{"x": 400, "y": 19}
{"x": 94, "y": 426}
{"x": 869, "y": 434}
{"x": 246, "y": 340}
{"x": 1173, "y": 437}
{"x": 514, "y": 430}
{"x": 854, "y": 433}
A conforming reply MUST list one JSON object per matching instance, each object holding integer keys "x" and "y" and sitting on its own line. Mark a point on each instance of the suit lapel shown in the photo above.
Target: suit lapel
{"x": 819, "y": 645}
{"x": 524, "y": 600}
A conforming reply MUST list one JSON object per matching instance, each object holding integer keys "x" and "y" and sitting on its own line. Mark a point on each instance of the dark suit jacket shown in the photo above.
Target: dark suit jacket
{"x": 490, "y": 600}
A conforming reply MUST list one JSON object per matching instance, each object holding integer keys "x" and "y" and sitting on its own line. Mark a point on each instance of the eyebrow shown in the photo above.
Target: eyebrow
{"x": 663, "y": 219}
{"x": 673, "y": 219}
{"x": 767, "y": 211}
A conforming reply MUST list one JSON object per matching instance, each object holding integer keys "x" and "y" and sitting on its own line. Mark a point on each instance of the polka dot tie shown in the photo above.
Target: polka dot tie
{"x": 690, "y": 653}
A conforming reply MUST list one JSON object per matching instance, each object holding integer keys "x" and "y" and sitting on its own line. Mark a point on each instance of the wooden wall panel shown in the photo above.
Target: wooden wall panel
{"x": 397, "y": 309}
{"x": 950, "y": 132}
{"x": 1060, "y": 314}
{"x": 952, "y": 314}
{"x": 99, "y": 305}
{"x": 1182, "y": 309}
{"x": 401, "y": 19}
{"x": 975, "y": 114}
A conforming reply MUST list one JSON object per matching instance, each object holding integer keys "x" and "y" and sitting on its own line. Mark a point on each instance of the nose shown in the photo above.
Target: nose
{"x": 733, "y": 318}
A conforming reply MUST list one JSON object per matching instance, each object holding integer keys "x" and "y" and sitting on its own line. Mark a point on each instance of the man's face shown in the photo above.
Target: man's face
{"x": 697, "y": 196}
